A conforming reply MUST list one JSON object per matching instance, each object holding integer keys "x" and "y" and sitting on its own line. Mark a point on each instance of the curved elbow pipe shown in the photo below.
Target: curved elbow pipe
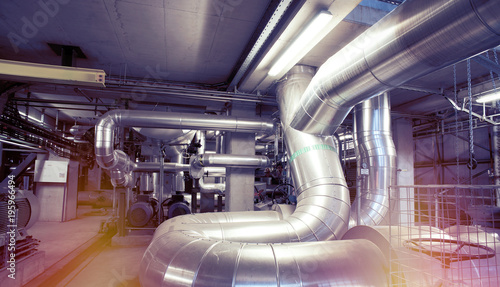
{"x": 218, "y": 188}
{"x": 206, "y": 262}
{"x": 376, "y": 155}
{"x": 417, "y": 38}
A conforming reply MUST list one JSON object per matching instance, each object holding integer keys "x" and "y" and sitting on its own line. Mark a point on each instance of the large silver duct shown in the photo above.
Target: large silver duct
{"x": 119, "y": 163}
{"x": 375, "y": 159}
{"x": 417, "y": 38}
{"x": 222, "y": 251}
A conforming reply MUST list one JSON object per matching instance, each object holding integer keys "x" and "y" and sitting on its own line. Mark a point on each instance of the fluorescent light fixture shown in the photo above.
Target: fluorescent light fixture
{"x": 312, "y": 29}
{"x": 490, "y": 97}
{"x": 40, "y": 73}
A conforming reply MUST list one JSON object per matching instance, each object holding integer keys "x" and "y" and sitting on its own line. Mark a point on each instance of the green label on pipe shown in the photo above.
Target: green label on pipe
{"x": 310, "y": 148}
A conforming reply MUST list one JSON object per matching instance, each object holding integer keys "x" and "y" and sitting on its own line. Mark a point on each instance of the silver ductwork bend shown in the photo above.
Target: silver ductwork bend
{"x": 417, "y": 38}
{"x": 224, "y": 252}
{"x": 376, "y": 157}
{"x": 120, "y": 165}
{"x": 217, "y": 188}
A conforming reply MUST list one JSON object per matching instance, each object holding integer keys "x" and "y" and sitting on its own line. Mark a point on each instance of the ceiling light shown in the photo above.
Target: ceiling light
{"x": 40, "y": 73}
{"x": 314, "y": 27}
{"x": 489, "y": 97}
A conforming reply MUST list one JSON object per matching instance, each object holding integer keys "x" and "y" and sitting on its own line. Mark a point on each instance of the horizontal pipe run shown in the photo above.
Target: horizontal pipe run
{"x": 155, "y": 167}
{"x": 205, "y": 262}
{"x": 200, "y": 162}
{"x": 231, "y": 160}
{"x": 188, "y": 121}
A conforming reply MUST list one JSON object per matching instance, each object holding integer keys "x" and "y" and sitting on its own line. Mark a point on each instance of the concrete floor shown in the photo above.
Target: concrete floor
{"x": 113, "y": 264}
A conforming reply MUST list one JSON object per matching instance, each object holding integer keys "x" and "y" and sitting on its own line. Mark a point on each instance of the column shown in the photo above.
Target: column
{"x": 240, "y": 181}
{"x": 403, "y": 140}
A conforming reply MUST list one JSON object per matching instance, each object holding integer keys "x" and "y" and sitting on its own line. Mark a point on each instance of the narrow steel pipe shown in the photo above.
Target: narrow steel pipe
{"x": 375, "y": 161}
{"x": 199, "y": 162}
{"x": 417, "y": 38}
{"x": 231, "y": 160}
{"x": 217, "y": 188}
{"x": 155, "y": 167}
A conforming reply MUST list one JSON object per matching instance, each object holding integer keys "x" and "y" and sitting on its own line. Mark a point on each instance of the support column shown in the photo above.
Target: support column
{"x": 403, "y": 140}
{"x": 121, "y": 210}
{"x": 239, "y": 181}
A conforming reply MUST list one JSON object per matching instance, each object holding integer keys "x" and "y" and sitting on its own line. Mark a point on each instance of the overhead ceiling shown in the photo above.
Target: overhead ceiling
{"x": 184, "y": 55}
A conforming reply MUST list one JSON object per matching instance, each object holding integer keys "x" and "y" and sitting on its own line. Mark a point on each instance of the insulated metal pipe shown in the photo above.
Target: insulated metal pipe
{"x": 222, "y": 252}
{"x": 417, "y": 38}
{"x": 218, "y": 188}
{"x": 375, "y": 160}
{"x": 201, "y": 161}
{"x": 187, "y": 121}
{"x": 155, "y": 167}
{"x": 208, "y": 263}
{"x": 231, "y": 160}
{"x": 496, "y": 160}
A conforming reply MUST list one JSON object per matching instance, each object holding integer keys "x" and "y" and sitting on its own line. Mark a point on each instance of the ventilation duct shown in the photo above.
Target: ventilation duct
{"x": 417, "y": 38}
{"x": 375, "y": 160}
{"x": 119, "y": 163}
{"x": 223, "y": 250}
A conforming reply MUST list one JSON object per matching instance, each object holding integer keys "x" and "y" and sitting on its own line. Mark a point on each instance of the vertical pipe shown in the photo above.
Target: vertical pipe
{"x": 219, "y": 203}
{"x": 496, "y": 159}
{"x": 57, "y": 120}
{"x": 375, "y": 158}
{"x": 121, "y": 212}
{"x": 161, "y": 182}
{"x": 115, "y": 211}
